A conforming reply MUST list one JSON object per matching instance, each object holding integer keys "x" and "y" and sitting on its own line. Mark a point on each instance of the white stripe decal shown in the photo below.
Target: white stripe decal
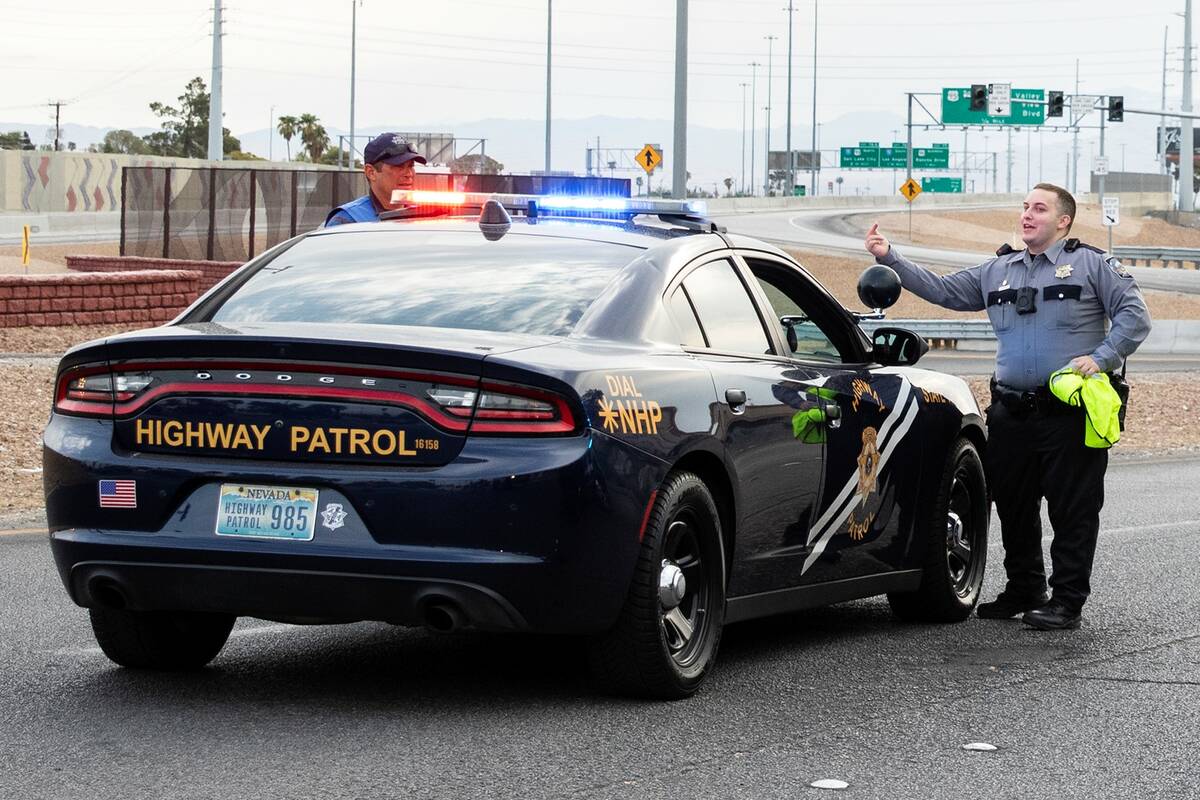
{"x": 906, "y": 412}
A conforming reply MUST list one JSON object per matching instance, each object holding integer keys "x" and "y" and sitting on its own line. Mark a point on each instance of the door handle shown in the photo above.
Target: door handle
{"x": 736, "y": 398}
{"x": 833, "y": 414}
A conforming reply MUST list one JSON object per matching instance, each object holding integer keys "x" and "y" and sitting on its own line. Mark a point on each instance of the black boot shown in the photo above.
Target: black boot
{"x": 1007, "y": 606}
{"x": 1054, "y": 616}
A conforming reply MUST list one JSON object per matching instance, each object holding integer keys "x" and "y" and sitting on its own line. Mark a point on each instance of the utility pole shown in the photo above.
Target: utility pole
{"x": 1162, "y": 121}
{"x": 965, "y": 158}
{"x": 679, "y": 170}
{"x": 1186, "y": 194}
{"x": 1075, "y": 137}
{"x": 1103, "y": 115}
{"x": 1028, "y": 160}
{"x": 791, "y": 164}
{"x": 353, "y": 64}
{"x": 216, "y": 138}
{"x": 814, "y": 159}
{"x": 743, "y": 181}
{"x": 549, "y": 29}
{"x": 767, "y": 171}
{"x": 57, "y": 127}
{"x": 753, "y": 113}
{"x": 1008, "y": 179}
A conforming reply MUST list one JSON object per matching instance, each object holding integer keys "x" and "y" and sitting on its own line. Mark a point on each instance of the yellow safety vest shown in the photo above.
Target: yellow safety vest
{"x": 1099, "y": 400}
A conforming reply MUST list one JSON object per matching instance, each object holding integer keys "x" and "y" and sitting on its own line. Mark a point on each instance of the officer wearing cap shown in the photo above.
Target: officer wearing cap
{"x": 1048, "y": 304}
{"x": 388, "y": 164}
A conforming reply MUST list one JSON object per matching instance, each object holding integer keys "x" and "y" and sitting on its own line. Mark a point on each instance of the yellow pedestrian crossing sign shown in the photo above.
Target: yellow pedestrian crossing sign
{"x": 910, "y": 189}
{"x": 649, "y": 157}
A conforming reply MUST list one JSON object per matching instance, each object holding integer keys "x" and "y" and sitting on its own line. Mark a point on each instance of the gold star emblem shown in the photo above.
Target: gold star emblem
{"x": 608, "y": 414}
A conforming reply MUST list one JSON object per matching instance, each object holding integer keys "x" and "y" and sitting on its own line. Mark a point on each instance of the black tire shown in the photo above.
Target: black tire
{"x": 162, "y": 640}
{"x": 955, "y": 534}
{"x": 658, "y": 652}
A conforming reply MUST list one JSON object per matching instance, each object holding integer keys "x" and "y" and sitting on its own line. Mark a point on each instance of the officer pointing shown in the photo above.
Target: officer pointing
{"x": 1049, "y": 304}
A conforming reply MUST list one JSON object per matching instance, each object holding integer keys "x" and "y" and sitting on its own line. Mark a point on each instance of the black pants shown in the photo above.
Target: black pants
{"x": 1036, "y": 455}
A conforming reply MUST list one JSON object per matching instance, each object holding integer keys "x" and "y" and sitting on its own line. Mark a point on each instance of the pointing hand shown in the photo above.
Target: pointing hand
{"x": 877, "y": 244}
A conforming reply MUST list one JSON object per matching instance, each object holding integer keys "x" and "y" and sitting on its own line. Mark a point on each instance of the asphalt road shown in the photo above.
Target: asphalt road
{"x": 825, "y": 229}
{"x": 368, "y": 711}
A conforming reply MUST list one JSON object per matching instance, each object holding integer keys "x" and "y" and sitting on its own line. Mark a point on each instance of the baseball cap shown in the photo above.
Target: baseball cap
{"x": 391, "y": 148}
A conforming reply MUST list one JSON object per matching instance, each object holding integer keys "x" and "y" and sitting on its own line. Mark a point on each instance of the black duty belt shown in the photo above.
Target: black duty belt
{"x": 1021, "y": 403}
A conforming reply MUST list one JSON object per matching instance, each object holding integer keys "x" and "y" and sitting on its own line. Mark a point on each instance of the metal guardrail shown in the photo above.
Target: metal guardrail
{"x": 940, "y": 333}
{"x": 1130, "y": 255}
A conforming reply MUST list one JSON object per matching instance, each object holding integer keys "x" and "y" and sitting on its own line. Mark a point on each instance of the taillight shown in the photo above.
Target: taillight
{"x": 92, "y": 391}
{"x": 501, "y": 408}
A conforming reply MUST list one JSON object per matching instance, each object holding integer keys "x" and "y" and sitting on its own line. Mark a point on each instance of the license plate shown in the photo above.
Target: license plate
{"x": 269, "y": 512}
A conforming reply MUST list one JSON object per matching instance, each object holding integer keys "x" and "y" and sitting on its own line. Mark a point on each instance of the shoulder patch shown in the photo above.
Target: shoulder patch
{"x": 1117, "y": 267}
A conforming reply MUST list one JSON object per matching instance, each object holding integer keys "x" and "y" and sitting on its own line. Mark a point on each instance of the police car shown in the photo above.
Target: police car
{"x": 624, "y": 423}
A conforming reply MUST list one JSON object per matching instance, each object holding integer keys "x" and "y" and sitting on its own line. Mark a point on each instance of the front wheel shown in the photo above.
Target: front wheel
{"x": 955, "y": 535}
{"x": 665, "y": 641}
{"x": 163, "y": 640}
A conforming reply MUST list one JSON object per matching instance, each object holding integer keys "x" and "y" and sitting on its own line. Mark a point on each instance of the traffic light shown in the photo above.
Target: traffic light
{"x": 1116, "y": 108}
{"x": 1054, "y": 104}
{"x": 978, "y": 97}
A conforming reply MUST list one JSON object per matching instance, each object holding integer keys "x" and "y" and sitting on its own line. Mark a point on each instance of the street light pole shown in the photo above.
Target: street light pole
{"x": 1186, "y": 145}
{"x": 753, "y": 113}
{"x": 767, "y": 176}
{"x": 814, "y": 158}
{"x": 679, "y": 157}
{"x": 353, "y": 65}
{"x": 791, "y": 164}
{"x": 743, "y": 181}
{"x": 549, "y": 17}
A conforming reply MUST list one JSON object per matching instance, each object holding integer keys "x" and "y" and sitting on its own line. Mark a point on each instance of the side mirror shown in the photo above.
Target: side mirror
{"x": 897, "y": 347}
{"x": 879, "y": 287}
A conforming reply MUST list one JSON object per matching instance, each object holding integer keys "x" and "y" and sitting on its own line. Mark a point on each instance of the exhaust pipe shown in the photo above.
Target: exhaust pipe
{"x": 107, "y": 592}
{"x": 443, "y": 616}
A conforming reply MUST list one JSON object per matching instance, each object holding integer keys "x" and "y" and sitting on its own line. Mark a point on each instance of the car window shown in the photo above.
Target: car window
{"x": 439, "y": 279}
{"x": 726, "y": 312}
{"x": 685, "y": 320}
{"x": 815, "y": 332}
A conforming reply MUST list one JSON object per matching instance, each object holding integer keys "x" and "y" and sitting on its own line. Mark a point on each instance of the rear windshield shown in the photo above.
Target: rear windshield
{"x": 441, "y": 279}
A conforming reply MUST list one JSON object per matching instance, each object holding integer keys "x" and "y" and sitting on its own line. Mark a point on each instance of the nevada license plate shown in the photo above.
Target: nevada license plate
{"x": 270, "y": 512}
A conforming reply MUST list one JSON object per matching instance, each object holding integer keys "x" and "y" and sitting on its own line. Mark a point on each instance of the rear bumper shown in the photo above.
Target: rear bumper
{"x": 527, "y": 535}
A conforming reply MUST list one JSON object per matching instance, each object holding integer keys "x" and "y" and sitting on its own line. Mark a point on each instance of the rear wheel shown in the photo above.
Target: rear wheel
{"x": 955, "y": 544}
{"x": 665, "y": 641}
{"x": 165, "y": 640}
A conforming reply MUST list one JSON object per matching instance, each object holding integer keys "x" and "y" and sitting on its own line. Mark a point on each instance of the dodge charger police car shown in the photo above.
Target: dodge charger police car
{"x": 479, "y": 416}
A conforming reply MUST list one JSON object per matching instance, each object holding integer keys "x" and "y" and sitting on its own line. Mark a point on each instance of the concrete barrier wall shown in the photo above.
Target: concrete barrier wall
{"x": 1132, "y": 204}
{"x": 149, "y": 297}
{"x": 212, "y": 272}
{"x": 37, "y": 182}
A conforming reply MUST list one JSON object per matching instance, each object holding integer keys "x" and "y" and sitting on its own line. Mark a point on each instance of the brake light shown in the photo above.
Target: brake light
{"x": 502, "y": 408}
{"x": 92, "y": 390}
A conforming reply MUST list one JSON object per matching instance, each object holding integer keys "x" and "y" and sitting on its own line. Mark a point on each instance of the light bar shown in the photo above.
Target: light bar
{"x": 547, "y": 204}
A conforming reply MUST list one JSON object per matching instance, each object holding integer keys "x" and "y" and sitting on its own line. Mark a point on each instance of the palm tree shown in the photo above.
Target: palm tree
{"x": 314, "y": 136}
{"x": 288, "y": 127}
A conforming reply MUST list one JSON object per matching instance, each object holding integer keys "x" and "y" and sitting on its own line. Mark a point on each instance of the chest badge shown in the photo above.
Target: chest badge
{"x": 1062, "y": 271}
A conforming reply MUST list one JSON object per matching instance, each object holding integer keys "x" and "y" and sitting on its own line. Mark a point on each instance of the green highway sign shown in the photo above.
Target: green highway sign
{"x": 860, "y": 157}
{"x": 894, "y": 157}
{"x": 956, "y": 108}
{"x": 931, "y": 157}
{"x": 953, "y": 185}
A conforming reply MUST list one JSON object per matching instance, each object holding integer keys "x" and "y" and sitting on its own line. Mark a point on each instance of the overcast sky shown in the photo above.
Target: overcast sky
{"x": 462, "y": 60}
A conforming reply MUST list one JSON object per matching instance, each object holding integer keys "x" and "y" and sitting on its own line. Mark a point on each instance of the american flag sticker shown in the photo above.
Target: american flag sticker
{"x": 118, "y": 494}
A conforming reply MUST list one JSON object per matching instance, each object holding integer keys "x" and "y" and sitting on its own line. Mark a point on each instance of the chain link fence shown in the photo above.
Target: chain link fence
{"x": 232, "y": 214}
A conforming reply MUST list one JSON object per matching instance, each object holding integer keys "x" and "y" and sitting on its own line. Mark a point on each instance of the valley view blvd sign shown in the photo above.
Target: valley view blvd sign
{"x": 956, "y": 108}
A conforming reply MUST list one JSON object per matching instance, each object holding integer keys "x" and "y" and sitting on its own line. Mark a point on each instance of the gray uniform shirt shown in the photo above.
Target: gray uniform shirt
{"x": 1077, "y": 294}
